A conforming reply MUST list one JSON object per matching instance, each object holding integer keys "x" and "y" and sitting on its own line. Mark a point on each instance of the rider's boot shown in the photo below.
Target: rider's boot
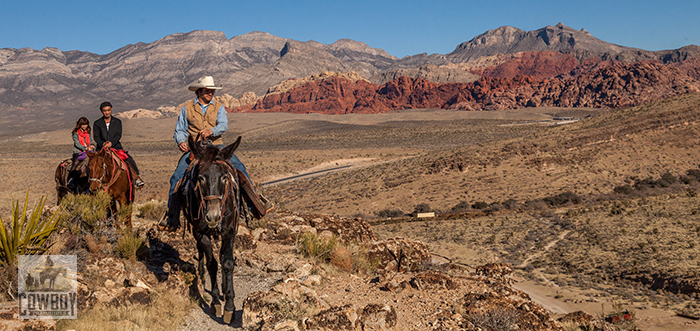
{"x": 170, "y": 222}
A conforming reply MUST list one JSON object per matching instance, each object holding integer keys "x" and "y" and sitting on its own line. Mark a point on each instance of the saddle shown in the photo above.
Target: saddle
{"x": 80, "y": 169}
{"x": 251, "y": 198}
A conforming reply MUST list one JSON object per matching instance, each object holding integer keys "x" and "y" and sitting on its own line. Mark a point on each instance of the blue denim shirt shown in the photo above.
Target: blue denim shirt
{"x": 182, "y": 123}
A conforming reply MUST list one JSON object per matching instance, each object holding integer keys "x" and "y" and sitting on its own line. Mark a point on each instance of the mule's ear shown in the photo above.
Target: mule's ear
{"x": 227, "y": 151}
{"x": 195, "y": 149}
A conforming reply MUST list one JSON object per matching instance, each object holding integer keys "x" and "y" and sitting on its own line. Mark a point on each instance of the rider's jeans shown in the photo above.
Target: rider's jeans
{"x": 185, "y": 161}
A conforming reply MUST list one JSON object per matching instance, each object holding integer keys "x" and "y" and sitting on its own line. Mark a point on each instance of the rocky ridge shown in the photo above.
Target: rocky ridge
{"x": 592, "y": 83}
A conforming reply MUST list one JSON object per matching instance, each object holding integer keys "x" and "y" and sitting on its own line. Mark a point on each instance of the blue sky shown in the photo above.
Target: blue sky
{"x": 405, "y": 27}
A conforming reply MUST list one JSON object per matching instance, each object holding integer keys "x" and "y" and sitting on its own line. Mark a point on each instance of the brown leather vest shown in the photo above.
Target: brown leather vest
{"x": 198, "y": 121}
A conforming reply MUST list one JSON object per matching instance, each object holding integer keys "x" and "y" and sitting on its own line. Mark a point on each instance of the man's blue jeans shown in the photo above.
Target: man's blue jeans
{"x": 185, "y": 161}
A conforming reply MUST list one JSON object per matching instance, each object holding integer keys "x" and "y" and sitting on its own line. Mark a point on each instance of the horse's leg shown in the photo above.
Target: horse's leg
{"x": 124, "y": 204}
{"x": 205, "y": 245}
{"x": 227, "y": 264}
{"x": 113, "y": 211}
{"x": 200, "y": 256}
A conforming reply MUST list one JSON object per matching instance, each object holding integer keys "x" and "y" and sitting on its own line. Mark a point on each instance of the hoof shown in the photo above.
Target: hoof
{"x": 216, "y": 310}
{"x": 228, "y": 316}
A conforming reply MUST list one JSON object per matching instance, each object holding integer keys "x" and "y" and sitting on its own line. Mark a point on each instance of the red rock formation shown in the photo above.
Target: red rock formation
{"x": 594, "y": 83}
{"x": 536, "y": 64}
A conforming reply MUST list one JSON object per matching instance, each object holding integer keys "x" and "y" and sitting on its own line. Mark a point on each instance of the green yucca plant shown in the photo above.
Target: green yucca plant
{"x": 27, "y": 233}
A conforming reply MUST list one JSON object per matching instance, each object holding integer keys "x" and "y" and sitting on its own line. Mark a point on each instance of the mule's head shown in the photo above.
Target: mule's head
{"x": 215, "y": 180}
{"x": 96, "y": 169}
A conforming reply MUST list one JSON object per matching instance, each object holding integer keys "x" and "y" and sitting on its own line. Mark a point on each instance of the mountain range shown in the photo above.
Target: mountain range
{"x": 42, "y": 89}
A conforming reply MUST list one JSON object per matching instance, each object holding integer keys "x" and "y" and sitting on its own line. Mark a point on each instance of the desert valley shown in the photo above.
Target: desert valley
{"x": 556, "y": 177}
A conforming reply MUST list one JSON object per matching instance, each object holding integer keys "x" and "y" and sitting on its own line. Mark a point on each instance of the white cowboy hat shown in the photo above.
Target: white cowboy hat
{"x": 204, "y": 82}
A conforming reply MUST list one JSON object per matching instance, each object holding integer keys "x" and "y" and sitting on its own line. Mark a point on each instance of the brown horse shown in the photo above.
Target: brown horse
{"x": 64, "y": 175}
{"x": 111, "y": 174}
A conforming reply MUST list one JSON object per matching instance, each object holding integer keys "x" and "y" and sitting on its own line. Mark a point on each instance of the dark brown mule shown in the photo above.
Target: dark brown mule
{"x": 211, "y": 197}
{"x": 112, "y": 175}
{"x": 63, "y": 175}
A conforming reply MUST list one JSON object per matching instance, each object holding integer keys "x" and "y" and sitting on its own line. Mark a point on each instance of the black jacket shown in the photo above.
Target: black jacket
{"x": 102, "y": 135}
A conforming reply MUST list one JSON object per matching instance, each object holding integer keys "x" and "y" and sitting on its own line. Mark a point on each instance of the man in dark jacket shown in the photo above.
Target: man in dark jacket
{"x": 107, "y": 132}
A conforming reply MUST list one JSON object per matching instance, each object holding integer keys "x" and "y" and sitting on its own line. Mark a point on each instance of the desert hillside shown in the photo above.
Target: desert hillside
{"x": 540, "y": 212}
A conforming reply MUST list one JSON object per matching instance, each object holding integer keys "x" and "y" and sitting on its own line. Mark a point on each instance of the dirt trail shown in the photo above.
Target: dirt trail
{"x": 325, "y": 168}
{"x": 546, "y": 249}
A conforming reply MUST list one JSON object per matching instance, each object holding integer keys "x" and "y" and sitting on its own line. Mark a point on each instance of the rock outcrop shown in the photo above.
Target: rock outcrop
{"x": 593, "y": 83}
{"x": 539, "y": 65}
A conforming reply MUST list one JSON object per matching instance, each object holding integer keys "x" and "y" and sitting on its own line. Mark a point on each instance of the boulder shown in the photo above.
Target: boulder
{"x": 264, "y": 308}
{"x": 335, "y": 318}
{"x": 399, "y": 255}
{"x": 378, "y": 317}
{"x": 244, "y": 239}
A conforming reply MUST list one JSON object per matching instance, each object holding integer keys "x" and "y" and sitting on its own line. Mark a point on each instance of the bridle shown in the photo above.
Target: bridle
{"x": 115, "y": 172}
{"x": 99, "y": 180}
{"x": 230, "y": 190}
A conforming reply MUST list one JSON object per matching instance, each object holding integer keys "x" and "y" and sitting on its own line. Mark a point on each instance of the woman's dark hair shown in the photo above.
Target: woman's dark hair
{"x": 81, "y": 121}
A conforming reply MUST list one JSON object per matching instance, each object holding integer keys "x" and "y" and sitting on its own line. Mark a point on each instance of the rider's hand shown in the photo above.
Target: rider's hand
{"x": 107, "y": 144}
{"x": 205, "y": 133}
{"x": 183, "y": 147}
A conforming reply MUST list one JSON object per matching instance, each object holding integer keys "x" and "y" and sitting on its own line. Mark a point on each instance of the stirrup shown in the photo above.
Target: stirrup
{"x": 268, "y": 205}
{"x": 166, "y": 225}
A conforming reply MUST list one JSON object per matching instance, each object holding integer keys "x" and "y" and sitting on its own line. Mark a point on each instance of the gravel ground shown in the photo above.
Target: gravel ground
{"x": 245, "y": 282}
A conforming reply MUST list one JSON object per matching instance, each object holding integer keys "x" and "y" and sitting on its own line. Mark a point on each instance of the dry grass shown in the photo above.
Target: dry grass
{"x": 165, "y": 312}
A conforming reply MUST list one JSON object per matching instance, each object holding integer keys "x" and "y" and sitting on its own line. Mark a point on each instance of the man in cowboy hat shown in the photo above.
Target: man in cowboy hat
{"x": 204, "y": 117}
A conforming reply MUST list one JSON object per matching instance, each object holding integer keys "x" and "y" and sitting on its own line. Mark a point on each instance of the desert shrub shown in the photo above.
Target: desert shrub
{"x": 623, "y": 189}
{"x": 496, "y": 206}
{"x": 479, "y": 205}
{"x": 645, "y": 183}
{"x": 27, "y": 232}
{"x": 128, "y": 244}
{"x": 462, "y": 206}
{"x": 421, "y": 208}
{"x": 124, "y": 213}
{"x": 8, "y": 282}
{"x": 152, "y": 210}
{"x": 537, "y": 204}
{"x": 510, "y": 204}
{"x": 563, "y": 198}
{"x": 386, "y": 213}
{"x": 255, "y": 223}
{"x": 314, "y": 246}
{"x": 693, "y": 173}
{"x": 84, "y": 211}
{"x": 496, "y": 320}
{"x": 341, "y": 258}
{"x": 667, "y": 179}
{"x": 294, "y": 310}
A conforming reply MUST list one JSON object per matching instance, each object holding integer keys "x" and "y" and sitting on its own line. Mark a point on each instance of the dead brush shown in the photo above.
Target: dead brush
{"x": 152, "y": 210}
{"x": 164, "y": 312}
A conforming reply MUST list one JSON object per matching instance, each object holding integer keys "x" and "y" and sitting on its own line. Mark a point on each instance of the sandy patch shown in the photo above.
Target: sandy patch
{"x": 563, "y": 300}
